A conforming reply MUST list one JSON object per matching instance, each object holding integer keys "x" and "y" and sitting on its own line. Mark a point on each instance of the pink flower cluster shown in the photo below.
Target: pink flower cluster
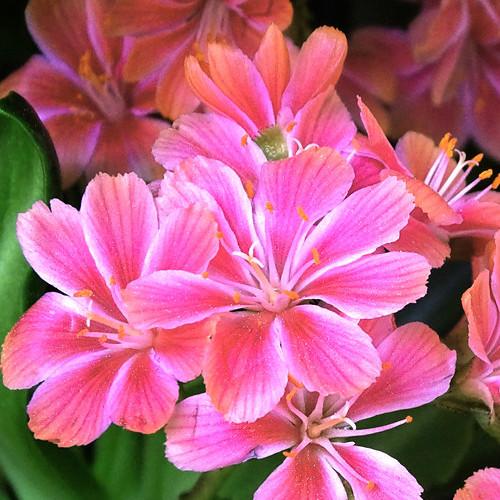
{"x": 269, "y": 259}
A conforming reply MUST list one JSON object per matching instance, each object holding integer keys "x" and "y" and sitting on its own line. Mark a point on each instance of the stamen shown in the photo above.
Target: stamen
{"x": 290, "y": 126}
{"x": 121, "y": 332}
{"x": 290, "y": 293}
{"x": 249, "y": 189}
{"x": 485, "y": 174}
{"x": 112, "y": 281}
{"x": 204, "y": 274}
{"x": 409, "y": 419}
{"x": 370, "y": 485}
{"x": 269, "y": 206}
{"x": 219, "y": 235}
{"x": 295, "y": 382}
{"x": 244, "y": 140}
{"x": 315, "y": 255}
{"x": 496, "y": 182}
{"x": 314, "y": 431}
{"x": 386, "y": 365}
{"x": 236, "y": 297}
{"x": 345, "y": 433}
{"x": 103, "y": 339}
{"x": 290, "y": 454}
{"x": 82, "y": 332}
{"x": 85, "y": 292}
{"x": 302, "y": 214}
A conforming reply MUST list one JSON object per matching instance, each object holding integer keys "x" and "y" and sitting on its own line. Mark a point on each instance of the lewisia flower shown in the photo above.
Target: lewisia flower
{"x": 97, "y": 366}
{"x": 290, "y": 241}
{"x": 319, "y": 429}
{"x": 481, "y": 378}
{"x": 446, "y": 207}
{"x": 482, "y": 485}
{"x": 166, "y": 32}
{"x": 274, "y": 101}
{"x": 96, "y": 120}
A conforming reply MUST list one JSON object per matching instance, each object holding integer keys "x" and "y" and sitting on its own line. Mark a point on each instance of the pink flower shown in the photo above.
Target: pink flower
{"x": 481, "y": 379}
{"x": 96, "y": 120}
{"x": 292, "y": 240}
{"x": 319, "y": 429}
{"x": 271, "y": 99}
{"x": 482, "y": 485}
{"x": 166, "y": 32}
{"x": 445, "y": 206}
{"x": 97, "y": 366}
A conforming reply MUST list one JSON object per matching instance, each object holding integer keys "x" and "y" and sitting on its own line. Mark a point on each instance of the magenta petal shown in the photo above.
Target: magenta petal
{"x": 309, "y": 475}
{"x": 374, "y": 285}
{"x": 120, "y": 221}
{"x": 378, "y": 329}
{"x": 43, "y": 341}
{"x": 417, "y": 368}
{"x": 245, "y": 373}
{"x": 181, "y": 350}
{"x": 71, "y": 408}
{"x": 319, "y": 347}
{"x": 212, "y": 136}
{"x": 168, "y": 299}
{"x": 389, "y": 479}
{"x": 143, "y": 396}
{"x": 54, "y": 245}
{"x": 187, "y": 241}
{"x": 198, "y": 437}
{"x": 484, "y": 483}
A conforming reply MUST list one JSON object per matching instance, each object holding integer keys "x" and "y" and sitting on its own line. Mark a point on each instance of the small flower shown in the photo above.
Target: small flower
{"x": 166, "y": 32}
{"x": 294, "y": 239}
{"x": 319, "y": 430}
{"x": 96, "y": 120}
{"x": 97, "y": 366}
{"x": 482, "y": 485}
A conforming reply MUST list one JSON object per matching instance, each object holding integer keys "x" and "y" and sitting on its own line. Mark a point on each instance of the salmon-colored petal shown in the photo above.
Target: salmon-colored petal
{"x": 143, "y": 397}
{"x": 119, "y": 221}
{"x": 318, "y": 66}
{"x": 378, "y": 329}
{"x": 245, "y": 372}
{"x": 54, "y": 245}
{"x": 71, "y": 408}
{"x": 417, "y": 368}
{"x": 481, "y": 218}
{"x": 199, "y": 438}
{"x": 43, "y": 341}
{"x": 319, "y": 347}
{"x": 374, "y": 285}
{"x": 309, "y": 475}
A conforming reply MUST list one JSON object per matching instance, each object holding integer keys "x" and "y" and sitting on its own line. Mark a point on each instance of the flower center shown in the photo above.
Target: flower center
{"x": 273, "y": 143}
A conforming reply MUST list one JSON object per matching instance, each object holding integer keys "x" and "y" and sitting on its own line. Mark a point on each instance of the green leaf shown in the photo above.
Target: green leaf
{"x": 28, "y": 172}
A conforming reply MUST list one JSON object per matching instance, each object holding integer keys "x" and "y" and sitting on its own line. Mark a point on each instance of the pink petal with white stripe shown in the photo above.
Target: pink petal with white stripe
{"x": 143, "y": 395}
{"x": 168, "y": 299}
{"x": 245, "y": 373}
{"x": 309, "y": 475}
{"x": 43, "y": 341}
{"x": 374, "y": 285}
{"x": 120, "y": 221}
{"x": 198, "y": 437}
{"x": 416, "y": 368}
{"x": 319, "y": 347}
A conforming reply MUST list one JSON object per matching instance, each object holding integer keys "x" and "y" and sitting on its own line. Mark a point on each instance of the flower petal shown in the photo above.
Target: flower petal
{"x": 198, "y": 437}
{"x": 417, "y": 368}
{"x": 245, "y": 373}
{"x": 43, "y": 341}
{"x": 374, "y": 285}
{"x": 391, "y": 481}
{"x": 320, "y": 347}
{"x": 484, "y": 483}
{"x": 318, "y": 66}
{"x": 119, "y": 220}
{"x": 309, "y": 475}
{"x": 181, "y": 350}
{"x": 143, "y": 396}
{"x": 54, "y": 245}
{"x": 70, "y": 408}
{"x": 168, "y": 299}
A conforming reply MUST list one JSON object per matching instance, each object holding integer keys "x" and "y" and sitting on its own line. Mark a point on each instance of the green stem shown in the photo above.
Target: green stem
{"x": 207, "y": 485}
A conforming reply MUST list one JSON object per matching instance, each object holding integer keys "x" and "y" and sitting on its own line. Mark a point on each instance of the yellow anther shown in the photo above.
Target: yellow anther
{"x": 486, "y": 174}
{"x": 496, "y": 182}
{"x": 409, "y": 419}
{"x": 236, "y": 297}
{"x": 370, "y": 485}
{"x": 447, "y": 144}
{"x": 204, "y": 274}
{"x": 302, "y": 214}
{"x": 315, "y": 254}
{"x": 291, "y": 394}
{"x": 249, "y": 189}
{"x": 477, "y": 159}
{"x": 85, "y": 292}
{"x": 85, "y": 70}
{"x": 121, "y": 332}
{"x": 290, "y": 454}
{"x": 443, "y": 143}
{"x": 112, "y": 281}
{"x": 244, "y": 140}
{"x": 82, "y": 332}
{"x": 386, "y": 365}
{"x": 290, "y": 126}
{"x": 269, "y": 206}
{"x": 295, "y": 382}
{"x": 290, "y": 293}
{"x": 198, "y": 52}
{"x": 219, "y": 235}
{"x": 103, "y": 339}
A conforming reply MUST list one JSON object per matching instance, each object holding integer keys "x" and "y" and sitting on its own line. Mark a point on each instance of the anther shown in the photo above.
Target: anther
{"x": 496, "y": 182}
{"x": 290, "y": 126}
{"x": 236, "y": 297}
{"x": 370, "y": 485}
{"x": 290, "y": 454}
{"x": 386, "y": 365}
{"x": 112, "y": 281}
{"x": 204, "y": 274}
{"x": 244, "y": 140}
{"x": 302, "y": 214}
{"x": 85, "y": 292}
{"x": 486, "y": 174}
{"x": 249, "y": 189}
{"x": 269, "y": 206}
{"x": 295, "y": 382}
{"x": 103, "y": 339}
{"x": 409, "y": 419}
{"x": 219, "y": 235}
{"x": 291, "y": 394}
{"x": 290, "y": 293}
{"x": 121, "y": 332}
{"x": 477, "y": 159}
{"x": 315, "y": 255}
{"x": 82, "y": 332}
